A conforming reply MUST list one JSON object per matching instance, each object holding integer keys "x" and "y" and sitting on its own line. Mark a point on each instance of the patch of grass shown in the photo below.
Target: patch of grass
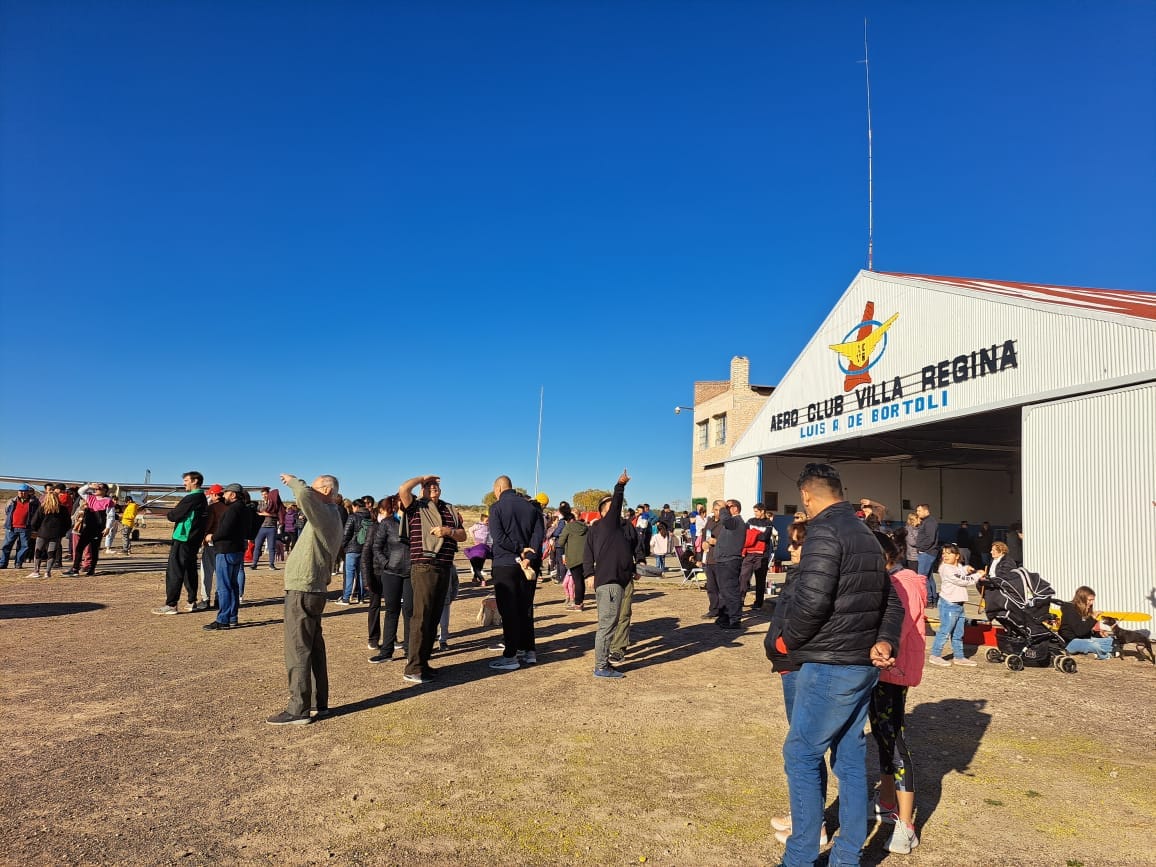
{"x": 1032, "y": 793}
{"x": 992, "y": 803}
{"x": 1072, "y": 862}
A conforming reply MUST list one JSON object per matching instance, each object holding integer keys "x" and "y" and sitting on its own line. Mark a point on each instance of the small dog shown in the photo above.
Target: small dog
{"x": 488, "y": 614}
{"x": 1120, "y": 637}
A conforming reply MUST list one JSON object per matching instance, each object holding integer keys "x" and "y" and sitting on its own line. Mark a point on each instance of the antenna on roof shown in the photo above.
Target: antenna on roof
{"x": 870, "y": 166}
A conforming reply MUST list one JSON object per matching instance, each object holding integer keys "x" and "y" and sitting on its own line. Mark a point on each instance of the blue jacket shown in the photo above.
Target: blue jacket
{"x": 33, "y": 508}
{"x": 515, "y": 524}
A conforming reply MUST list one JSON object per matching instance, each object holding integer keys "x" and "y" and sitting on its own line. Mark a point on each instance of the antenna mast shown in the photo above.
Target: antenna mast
{"x": 870, "y": 163}
{"x": 538, "y": 455}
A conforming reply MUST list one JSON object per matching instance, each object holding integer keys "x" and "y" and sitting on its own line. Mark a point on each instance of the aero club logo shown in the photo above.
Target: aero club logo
{"x": 862, "y": 353}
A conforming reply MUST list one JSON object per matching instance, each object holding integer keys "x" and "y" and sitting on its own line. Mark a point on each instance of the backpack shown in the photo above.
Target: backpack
{"x": 362, "y": 531}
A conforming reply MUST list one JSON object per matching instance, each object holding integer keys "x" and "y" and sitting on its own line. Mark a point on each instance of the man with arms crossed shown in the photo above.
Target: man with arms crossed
{"x": 843, "y": 625}
{"x": 307, "y": 574}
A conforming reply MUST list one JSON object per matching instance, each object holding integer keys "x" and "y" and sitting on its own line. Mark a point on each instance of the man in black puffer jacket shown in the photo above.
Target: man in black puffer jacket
{"x": 843, "y": 626}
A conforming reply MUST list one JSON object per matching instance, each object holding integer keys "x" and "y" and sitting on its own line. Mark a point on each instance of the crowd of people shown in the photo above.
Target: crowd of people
{"x": 847, "y": 623}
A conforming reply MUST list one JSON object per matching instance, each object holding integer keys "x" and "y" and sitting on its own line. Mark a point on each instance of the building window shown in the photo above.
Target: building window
{"x": 701, "y": 435}
{"x": 720, "y": 430}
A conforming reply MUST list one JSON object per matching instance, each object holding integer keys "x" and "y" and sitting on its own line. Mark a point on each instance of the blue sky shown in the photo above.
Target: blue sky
{"x": 358, "y": 237}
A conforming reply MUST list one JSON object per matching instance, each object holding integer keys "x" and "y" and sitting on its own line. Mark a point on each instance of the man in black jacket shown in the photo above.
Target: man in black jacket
{"x": 228, "y": 540}
{"x": 609, "y": 557}
{"x": 927, "y": 546}
{"x": 729, "y": 536}
{"x": 517, "y": 530}
{"x": 843, "y": 626}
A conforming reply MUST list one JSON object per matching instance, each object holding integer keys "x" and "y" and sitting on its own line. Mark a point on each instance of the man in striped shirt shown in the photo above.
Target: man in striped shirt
{"x": 434, "y": 534}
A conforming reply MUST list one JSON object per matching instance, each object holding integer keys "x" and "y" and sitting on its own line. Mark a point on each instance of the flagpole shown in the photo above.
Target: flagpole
{"x": 538, "y": 455}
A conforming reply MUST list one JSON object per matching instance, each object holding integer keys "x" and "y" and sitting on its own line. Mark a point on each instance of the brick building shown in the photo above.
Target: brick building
{"x": 723, "y": 410}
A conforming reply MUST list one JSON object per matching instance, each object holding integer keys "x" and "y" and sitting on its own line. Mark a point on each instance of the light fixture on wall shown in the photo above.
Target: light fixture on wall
{"x": 679, "y": 409}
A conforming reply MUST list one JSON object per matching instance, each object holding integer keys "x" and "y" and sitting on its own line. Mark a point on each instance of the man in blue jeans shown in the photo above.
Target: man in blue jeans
{"x": 927, "y": 547}
{"x": 843, "y": 626}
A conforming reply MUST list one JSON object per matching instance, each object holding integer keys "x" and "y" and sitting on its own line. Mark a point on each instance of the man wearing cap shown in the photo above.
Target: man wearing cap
{"x": 17, "y": 521}
{"x": 228, "y": 539}
{"x": 188, "y": 519}
{"x": 217, "y": 507}
{"x": 308, "y": 571}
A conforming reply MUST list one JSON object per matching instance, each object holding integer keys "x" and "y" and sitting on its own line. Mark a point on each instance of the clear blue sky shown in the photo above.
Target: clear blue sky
{"x": 357, "y": 237}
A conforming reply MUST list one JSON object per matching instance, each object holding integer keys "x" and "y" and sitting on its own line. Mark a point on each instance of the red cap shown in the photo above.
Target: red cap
{"x": 216, "y": 489}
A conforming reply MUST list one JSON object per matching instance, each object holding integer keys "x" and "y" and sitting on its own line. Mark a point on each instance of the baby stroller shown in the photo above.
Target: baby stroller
{"x": 1019, "y": 601}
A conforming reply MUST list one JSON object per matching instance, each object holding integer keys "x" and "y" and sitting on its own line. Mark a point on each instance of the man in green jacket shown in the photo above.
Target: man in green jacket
{"x": 188, "y": 517}
{"x": 307, "y": 574}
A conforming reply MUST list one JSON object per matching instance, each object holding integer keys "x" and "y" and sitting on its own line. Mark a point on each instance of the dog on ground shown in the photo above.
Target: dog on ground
{"x": 1120, "y": 637}
{"x": 488, "y": 614}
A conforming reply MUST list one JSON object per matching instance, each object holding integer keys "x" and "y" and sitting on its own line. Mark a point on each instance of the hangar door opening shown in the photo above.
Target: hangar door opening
{"x": 966, "y": 468}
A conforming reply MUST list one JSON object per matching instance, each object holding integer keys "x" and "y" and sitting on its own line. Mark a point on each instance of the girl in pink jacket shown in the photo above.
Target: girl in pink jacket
{"x": 895, "y": 801}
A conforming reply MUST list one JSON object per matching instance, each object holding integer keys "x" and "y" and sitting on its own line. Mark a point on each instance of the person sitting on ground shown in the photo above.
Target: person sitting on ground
{"x": 1079, "y": 627}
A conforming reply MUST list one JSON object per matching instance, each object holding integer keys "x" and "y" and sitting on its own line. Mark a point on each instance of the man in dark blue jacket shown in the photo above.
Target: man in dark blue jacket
{"x": 517, "y": 530}
{"x": 844, "y": 625}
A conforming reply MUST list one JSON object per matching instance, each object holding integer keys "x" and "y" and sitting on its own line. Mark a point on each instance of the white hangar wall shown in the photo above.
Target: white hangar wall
{"x": 938, "y": 351}
{"x": 1089, "y": 494}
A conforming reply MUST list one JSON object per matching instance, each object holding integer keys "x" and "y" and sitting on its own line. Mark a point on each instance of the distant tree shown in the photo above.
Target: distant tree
{"x": 489, "y": 498}
{"x": 587, "y": 501}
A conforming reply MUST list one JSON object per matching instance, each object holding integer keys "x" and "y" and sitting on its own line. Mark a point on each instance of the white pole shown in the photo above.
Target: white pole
{"x": 870, "y": 166}
{"x": 538, "y": 456}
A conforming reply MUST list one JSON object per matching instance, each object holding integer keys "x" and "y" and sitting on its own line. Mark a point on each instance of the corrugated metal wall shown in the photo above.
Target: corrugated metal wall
{"x": 1089, "y": 480}
{"x": 1060, "y": 351}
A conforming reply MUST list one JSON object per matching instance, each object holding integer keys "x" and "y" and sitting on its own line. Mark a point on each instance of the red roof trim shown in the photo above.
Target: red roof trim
{"x": 1125, "y": 302}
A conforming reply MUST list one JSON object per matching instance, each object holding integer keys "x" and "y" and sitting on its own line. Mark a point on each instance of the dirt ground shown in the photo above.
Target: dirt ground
{"x": 136, "y": 739}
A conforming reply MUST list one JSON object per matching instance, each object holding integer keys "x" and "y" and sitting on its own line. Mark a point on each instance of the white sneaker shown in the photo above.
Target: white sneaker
{"x": 529, "y": 658}
{"x": 969, "y": 663}
{"x": 938, "y": 660}
{"x": 34, "y": 575}
{"x": 903, "y": 839}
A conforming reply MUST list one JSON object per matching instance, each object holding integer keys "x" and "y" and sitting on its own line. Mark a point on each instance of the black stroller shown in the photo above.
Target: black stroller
{"x": 1019, "y": 601}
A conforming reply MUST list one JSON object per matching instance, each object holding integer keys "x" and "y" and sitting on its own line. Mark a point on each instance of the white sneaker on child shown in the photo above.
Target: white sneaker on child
{"x": 903, "y": 839}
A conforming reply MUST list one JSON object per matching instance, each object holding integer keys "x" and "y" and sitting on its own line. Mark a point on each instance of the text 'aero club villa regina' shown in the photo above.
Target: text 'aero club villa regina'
{"x": 988, "y": 400}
